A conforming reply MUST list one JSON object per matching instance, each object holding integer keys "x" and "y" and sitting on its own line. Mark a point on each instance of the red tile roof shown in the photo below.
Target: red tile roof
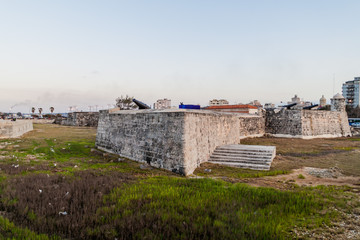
{"x": 232, "y": 106}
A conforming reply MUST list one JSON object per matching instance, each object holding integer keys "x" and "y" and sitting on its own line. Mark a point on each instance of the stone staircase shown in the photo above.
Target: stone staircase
{"x": 244, "y": 156}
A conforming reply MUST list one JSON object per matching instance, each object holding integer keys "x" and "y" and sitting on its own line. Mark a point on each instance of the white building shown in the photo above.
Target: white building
{"x": 162, "y": 104}
{"x": 351, "y": 92}
{"x": 215, "y": 102}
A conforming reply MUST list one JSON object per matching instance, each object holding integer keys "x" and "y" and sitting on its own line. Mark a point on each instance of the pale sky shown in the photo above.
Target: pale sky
{"x": 81, "y": 53}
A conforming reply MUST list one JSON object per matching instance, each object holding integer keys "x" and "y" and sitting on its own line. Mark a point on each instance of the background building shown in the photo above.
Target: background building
{"x": 322, "y": 101}
{"x": 162, "y": 104}
{"x": 296, "y": 100}
{"x": 255, "y": 103}
{"x": 215, "y": 102}
{"x": 351, "y": 92}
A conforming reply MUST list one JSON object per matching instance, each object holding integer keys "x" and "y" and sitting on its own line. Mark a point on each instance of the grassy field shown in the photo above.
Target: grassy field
{"x": 55, "y": 185}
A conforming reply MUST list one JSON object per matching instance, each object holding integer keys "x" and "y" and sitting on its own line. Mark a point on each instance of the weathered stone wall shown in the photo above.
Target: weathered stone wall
{"x": 145, "y": 136}
{"x": 283, "y": 122}
{"x": 204, "y": 131}
{"x": 251, "y": 126}
{"x": 13, "y": 129}
{"x": 86, "y": 119}
{"x": 325, "y": 124}
{"x": 307, "y": 123}
{"x": 176, "y": 140}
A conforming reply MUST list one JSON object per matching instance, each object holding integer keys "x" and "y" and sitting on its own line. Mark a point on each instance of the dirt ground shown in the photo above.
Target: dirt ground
{"x": 307, "y": 176}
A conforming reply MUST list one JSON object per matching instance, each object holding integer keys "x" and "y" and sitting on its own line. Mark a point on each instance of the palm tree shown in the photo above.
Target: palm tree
{"x": 40, "y": 110}
{"x": 33, "y": 110}
{"x": 52, "y": 109}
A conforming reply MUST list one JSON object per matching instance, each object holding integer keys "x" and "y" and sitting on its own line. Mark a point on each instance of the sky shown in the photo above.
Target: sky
{"x": 63, "y": 53}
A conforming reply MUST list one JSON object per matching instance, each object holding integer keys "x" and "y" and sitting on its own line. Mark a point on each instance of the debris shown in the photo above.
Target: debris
{"x": 63, "y": 213}
{"x": 207, "y": 170}
{"x": 333, "y": 172}
{"x": 75, "y": 166}
{"x": 54, "y": 164}
{"x": 40, "y": 190}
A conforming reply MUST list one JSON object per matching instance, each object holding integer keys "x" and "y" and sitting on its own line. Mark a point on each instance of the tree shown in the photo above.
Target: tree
{"x": 33, "y": 110}
{"x": 353, "y": 112}
{"x": 125, "y": 103}
{"x": 52, "y": 109}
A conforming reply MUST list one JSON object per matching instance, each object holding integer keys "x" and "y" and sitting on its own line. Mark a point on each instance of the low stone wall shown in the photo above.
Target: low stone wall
{"x": 251, "y": 126}
{"x": 307, "y": 123}
{"x": 13, "y": 129}
{"x": 86, "y": 119}
{"x": 43, "y": 121}
{"x": 176, "y": 140}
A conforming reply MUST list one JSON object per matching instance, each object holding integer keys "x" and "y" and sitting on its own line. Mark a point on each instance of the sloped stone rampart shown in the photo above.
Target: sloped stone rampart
{"x": 13, "y": 129}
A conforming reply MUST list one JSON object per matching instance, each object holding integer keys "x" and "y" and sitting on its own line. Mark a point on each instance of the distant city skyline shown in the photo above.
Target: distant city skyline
{"x": 86, "y": 53}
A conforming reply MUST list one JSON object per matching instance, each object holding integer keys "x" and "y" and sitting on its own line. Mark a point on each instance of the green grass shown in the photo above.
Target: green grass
{"x": 230, "y": 172}
{"x": 300, "y": 176}
{"x": 176, "y": 208}
{"x": 9, "y": 231}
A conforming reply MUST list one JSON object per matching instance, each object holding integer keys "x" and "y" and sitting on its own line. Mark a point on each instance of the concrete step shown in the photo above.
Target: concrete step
{"x": 250, "y": 152}
{"x": 244, "y": 165}
{"x": 240, "y": 159}
{"x": 244, "y": 156}
{"x": 255, "y": 148}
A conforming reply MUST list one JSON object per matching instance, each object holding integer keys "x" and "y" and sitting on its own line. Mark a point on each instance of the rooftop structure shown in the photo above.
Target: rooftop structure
{"x": 351, "y": 92}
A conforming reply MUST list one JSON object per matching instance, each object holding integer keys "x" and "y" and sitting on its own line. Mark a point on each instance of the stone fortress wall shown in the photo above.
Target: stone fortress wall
{"x": 13, "y": 129}
{"x": 307, "y": 123}
{"x": 180, "y": 140}
{"x": 82, "y": 119}
{"x": 177, "y": 140}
